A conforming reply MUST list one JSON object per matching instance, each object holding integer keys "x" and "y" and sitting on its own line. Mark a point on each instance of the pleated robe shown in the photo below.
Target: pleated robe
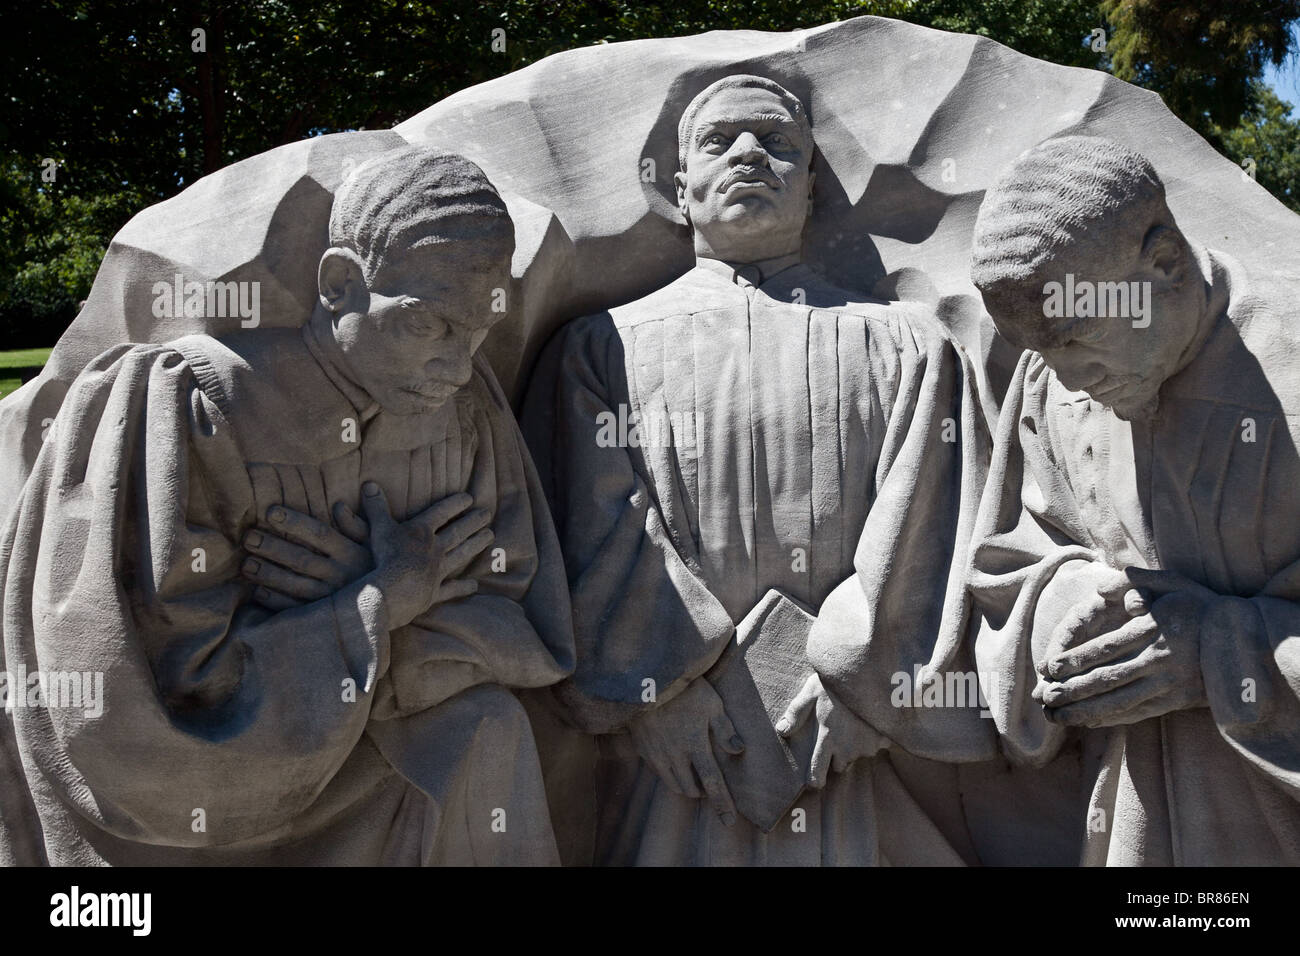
{"x": 1208, "y": 487}
{"x": 229, "y": 735}
{"x": 788, "y": 437}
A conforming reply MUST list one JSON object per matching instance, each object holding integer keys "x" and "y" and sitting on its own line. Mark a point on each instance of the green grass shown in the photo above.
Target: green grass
{"x": 16, "y": 359}
{"x": 24, "y": 358}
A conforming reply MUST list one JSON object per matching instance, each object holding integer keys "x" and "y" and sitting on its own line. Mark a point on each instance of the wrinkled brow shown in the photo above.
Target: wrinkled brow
{"x": 729, "y": 122}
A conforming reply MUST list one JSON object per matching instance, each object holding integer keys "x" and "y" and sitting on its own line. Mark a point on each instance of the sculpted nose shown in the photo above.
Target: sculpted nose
{"x": 455, "y": 364}
{"x": 747, "y": 150}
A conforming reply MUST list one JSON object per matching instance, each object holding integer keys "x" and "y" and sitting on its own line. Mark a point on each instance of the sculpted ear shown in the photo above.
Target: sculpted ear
{"x": 341, "y": 279}
{"x": 679, "y": 181}
{"x": 1163, "y": 253}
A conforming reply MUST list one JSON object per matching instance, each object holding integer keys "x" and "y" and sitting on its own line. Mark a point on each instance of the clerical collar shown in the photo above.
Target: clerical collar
{"x": 357, "y": 396}
{"x": 749, "y": 273}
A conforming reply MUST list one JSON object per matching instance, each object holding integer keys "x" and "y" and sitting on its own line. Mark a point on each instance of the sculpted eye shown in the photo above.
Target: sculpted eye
{"x": 714, "y": 139}
{"x": 779, "y": 140}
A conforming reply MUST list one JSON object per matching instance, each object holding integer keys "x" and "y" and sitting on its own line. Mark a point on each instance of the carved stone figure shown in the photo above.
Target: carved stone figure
{"x": 1137, "y": 560}
{"x": 274, "y": 549}
{"x": 766, "y": 485}
{"x": 720, "y": 455}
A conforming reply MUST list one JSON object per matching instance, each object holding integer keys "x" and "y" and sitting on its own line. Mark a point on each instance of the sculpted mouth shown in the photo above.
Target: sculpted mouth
{"x": 748, "y": 179}
{"x": 431, "y": 389}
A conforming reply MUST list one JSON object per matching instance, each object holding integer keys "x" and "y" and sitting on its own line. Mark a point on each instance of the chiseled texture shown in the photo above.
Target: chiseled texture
{"x": 1072, "y": 484}
{"x": 212, "y": 703}
{"x": 812, "y": 425}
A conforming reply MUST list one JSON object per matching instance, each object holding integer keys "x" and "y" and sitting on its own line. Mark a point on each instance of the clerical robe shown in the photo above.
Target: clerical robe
{"x": 1209, "y": 487}
{"x": 786, "y": 437}
{"x": 231, "y": 735}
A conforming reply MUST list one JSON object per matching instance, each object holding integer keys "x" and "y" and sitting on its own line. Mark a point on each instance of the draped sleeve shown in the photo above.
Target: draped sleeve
{"x": 906, "y": 604}
{"x": 1025, "y": 558}
{"x": 122, "y": 559}
{"x": 641, "y": 611}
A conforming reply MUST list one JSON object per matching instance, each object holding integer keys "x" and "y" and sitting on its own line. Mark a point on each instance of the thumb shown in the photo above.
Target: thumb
{"x": 1163, "y": 582}
{"x": 1115, "y": 585}
{"x": 799, "y": 708}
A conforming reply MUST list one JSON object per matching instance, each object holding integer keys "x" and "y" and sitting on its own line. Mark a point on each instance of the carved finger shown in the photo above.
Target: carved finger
{"x": 460, "y": 558}
{"x": 274, "y": 600}
{"x": 1074, "y": 627}
{"x": 724, "y": 732}
{"x": 1106, "y": 678}
{"x": 803, "y": 704}
{"x": 439, "y": 513}
{"x": 658, "y": 761}
{"x": 1114, "y": 586}
{"x": 463, "y": 528}
{"x": 819, "y": 766}
{"x": 300, "y": 528}
{"x": 1166, "y": 582}
{"x": 1153, "y": 706}
{"x": 378, "y": 515}
{"x": 296, "y": 558}
{"x": 680, "y": 770}
{"x": 715, "y": 788}
{"x": 279, "y": 579}
{"x": 351, "y": 523}
{"x": 1104, "y": 649}
{"x": 1102, "y": 710}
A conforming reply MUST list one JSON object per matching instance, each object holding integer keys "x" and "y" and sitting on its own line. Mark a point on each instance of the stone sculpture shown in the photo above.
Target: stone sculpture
{"x": 1138, "y": 552}
{"x": 291, "y": 672}
{"x": 723, "y": 451}
{"x": 783, "y": 524}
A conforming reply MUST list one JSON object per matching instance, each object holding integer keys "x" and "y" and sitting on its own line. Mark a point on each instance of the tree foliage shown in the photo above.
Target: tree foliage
{"x": 1203, "y": 56}
{"x": 132, "y": 104}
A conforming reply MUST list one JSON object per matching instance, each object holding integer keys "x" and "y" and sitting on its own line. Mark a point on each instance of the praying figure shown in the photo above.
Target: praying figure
{"x": 1137, "y": 558}
{"x": 312, "y": 565}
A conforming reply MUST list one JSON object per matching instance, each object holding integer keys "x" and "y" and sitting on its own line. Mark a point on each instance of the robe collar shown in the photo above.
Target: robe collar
{"x": 749, "y": 274}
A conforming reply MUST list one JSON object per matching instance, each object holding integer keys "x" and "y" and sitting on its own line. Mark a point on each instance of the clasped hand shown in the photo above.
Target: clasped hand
{"x": 413, "y": 563}
{"x": 1127, "y": 651}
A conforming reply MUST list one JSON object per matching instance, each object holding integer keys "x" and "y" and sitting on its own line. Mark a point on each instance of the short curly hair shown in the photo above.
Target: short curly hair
{"x": 1065, "y": 196}
{"x": 416, "y": 197}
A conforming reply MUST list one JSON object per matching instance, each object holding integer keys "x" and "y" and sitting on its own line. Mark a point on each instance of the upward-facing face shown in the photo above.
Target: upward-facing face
{"x": 747, "y": 188}
{"x": 408, "y": 338}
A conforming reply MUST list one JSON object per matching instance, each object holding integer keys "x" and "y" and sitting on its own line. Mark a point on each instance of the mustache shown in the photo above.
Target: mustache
{"x": 743, "y": 173}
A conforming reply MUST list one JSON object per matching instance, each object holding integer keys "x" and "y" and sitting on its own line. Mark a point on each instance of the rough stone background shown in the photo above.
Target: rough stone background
{"x": 911, "y": 125}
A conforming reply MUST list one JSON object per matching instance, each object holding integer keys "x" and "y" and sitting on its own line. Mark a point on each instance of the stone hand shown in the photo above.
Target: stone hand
{"x": 1108, "y": 600}
{"x": 305, "y": 559}
{"x": 418, "y": 560}
{"x": 674, "y": 740}
{"x": 842, "y": 736}
{"x": 1145, "y": 668}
